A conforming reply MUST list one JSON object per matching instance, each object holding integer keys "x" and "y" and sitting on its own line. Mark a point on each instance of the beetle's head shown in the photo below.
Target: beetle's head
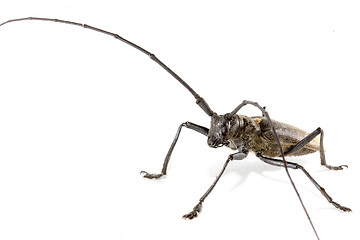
{"x": 221, "y": 130}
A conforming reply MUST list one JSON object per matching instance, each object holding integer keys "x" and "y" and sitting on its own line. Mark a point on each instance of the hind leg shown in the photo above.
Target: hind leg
{"x": 308, "y": 139}
{"x": 292, "y": 165}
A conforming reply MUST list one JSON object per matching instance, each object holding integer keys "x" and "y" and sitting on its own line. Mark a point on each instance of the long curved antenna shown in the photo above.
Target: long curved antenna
{"x": 199, "y": 100}
{"x": 266, "y": 115}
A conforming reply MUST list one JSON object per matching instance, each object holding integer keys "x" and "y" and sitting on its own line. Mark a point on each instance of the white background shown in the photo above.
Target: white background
{"x": 81, "y": 114}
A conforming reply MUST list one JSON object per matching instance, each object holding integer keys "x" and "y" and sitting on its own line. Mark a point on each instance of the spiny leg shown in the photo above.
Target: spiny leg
{"x": 292, "y": 165}
{"x": 307, "y": 140}
{"x": 195, "y": 127}
{"x": 197, "y": 208}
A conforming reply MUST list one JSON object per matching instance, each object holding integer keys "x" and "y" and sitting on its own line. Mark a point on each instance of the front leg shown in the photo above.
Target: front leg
{"x": 192, "y": 126}
{"x": 197, "y": 208}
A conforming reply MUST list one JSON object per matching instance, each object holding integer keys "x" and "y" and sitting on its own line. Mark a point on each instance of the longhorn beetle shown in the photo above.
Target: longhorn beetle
{"x": 267, "y": 139}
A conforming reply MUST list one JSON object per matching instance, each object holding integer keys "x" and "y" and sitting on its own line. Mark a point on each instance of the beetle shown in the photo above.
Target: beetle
{"x": 268, "y": 139}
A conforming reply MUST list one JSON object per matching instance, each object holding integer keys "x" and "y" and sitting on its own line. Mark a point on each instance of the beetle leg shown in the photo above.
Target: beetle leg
{"x": 308, "y": 139}
{"x": 292, "y": 165}
{"x": 197, "y": 208}
{"x": 322, "y": 155}
{"x": 192, "y": 126}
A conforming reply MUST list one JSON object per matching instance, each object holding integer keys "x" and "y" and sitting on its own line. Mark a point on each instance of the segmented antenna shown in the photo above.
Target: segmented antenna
{"x": 199, "y": 100}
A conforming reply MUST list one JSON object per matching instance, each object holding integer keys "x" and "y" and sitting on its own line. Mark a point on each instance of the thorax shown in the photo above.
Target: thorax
{"x": 245, "y": 131}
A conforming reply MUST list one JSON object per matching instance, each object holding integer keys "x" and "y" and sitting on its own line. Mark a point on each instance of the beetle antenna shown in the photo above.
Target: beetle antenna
{"x": 266, "y": 115}
{"x": 199, "y": 100}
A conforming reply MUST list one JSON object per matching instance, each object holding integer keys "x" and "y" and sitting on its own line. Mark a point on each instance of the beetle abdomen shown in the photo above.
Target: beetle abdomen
{"x": 289, "y": 136}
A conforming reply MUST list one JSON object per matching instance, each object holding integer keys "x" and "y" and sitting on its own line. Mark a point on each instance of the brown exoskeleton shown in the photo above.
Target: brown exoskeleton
{"x": 266, "y": 138}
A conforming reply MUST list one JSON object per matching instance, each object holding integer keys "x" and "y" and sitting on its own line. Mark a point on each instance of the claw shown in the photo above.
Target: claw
{"x": 194, "y": 212}
{"x": 341, "y": 167}
{"x": 150, "y": 175}
{"x": 345, "y": 209}
{"x": 190, "y": 215}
